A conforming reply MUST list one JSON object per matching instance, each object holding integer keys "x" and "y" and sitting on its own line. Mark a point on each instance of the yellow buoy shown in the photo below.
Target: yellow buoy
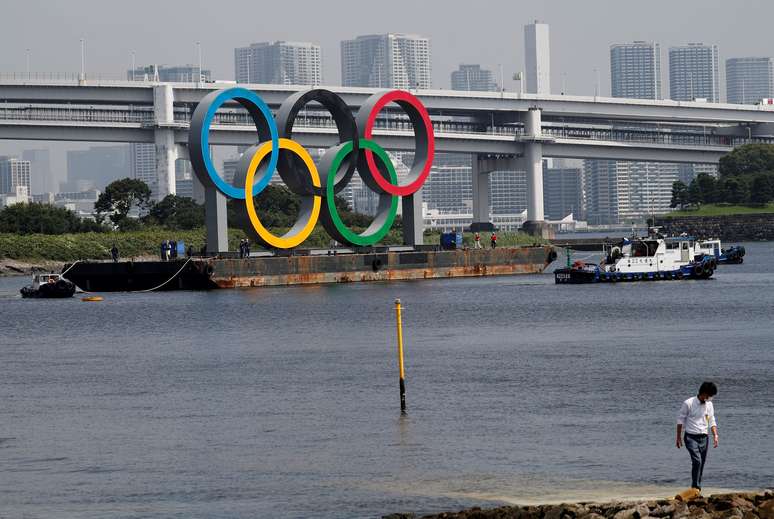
{"x": 92, "y": 298}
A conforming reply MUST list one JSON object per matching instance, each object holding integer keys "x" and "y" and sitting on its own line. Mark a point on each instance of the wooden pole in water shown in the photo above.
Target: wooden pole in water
{"x": 400, "y": 358}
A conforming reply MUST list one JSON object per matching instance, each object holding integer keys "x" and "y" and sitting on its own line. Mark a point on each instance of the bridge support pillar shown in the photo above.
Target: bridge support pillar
{"x": 533, "y": 164}
{"x": 166, "y": 155}
{"x": 166, "y": 149}
{"x": 215, "y": 220}
{"x": 480, "y": 174}
{"x": 413, "y": 220}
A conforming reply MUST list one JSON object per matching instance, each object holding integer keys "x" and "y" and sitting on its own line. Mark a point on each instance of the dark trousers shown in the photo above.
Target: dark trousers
{"x": 697, "y": 446}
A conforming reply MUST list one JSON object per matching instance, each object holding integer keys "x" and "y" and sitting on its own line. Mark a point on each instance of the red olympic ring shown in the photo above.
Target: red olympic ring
{"x": 405, "y": 100}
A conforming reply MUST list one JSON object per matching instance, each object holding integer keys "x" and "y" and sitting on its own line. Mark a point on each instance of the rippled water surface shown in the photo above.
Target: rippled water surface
{"x": 283, "y": 402}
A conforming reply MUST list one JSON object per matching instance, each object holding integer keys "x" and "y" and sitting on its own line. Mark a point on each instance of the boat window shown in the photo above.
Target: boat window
{"x": 644, "y": 248}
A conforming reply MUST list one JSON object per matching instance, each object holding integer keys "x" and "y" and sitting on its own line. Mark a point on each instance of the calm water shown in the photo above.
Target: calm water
{"x": 283, "y": 402}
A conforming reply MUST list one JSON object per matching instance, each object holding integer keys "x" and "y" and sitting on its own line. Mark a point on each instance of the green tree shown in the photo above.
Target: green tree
{"x": 703, "y": 189}
{"x": 679, "y": 195}
{"x": 733, "y": 190}
{"x": 762, "y": 189}
{"x": 748, "y": 159}
{"x": 119, "y": 198}
{"x": 43, "y": 219}
{"x": 176, "y": 212}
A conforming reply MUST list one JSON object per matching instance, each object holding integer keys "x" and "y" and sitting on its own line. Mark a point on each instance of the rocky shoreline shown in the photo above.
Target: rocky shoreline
{"x": 11, "y": 267}
{"x": 740, "y": 505}
{"x": 740, "y": 227}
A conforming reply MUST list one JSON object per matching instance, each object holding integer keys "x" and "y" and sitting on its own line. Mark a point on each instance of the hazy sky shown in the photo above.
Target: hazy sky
{"x": 486, "y": 32}
{"x": 480, "y": 31}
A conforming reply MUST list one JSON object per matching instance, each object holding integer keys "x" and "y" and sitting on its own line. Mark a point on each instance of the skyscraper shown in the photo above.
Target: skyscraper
{"x": 748, "y": 80}
{"x": 279, "y": 63}
{"x": 14, "y": 173}
{"x": 473, "y": 78}
{"x": 96, "y": 167}
{"x": 537, "y": 58}
{"x": 41, "y": 177}
{"x": 563, "y": 193}
{"x": 635, "y": 70}
{"x": 693, "y": 72}
{"x": 386, "y": 61}
{"x": 620, "y": 191}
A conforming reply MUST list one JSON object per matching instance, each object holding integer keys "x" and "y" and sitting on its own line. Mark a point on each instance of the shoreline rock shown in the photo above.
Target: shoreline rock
{"x": 739, "y": 505}
{"x": 11, "y": 267}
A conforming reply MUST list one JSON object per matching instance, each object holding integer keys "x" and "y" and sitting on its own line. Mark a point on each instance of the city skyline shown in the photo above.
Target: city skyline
{"x": 114, "y": 35}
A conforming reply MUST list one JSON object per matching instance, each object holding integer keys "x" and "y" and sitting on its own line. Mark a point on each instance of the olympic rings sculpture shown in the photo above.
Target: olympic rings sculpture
{"x": 316, "y": 185}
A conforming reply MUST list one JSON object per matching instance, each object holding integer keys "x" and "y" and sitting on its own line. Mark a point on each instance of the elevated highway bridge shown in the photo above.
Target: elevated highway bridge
{"x": 503, "y": 131}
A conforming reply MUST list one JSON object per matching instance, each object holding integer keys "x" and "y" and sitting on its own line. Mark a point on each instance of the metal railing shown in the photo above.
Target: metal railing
{"x": 393, "y": 121}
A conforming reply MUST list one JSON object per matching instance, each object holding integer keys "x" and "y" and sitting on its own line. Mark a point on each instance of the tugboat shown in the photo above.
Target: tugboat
{"x": 49, "y": 285}
{"x": 732, "y": 255}
{"x": 642, "y": 259}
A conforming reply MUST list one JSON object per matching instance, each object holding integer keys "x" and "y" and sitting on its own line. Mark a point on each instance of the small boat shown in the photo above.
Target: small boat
{"x": 48, "y": 286}
{"x": 732, "y": 255}
{"x": 642, "y": 259}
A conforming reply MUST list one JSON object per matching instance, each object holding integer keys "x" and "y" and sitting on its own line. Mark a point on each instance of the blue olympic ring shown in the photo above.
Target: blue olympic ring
{"x": 200, "y": 147}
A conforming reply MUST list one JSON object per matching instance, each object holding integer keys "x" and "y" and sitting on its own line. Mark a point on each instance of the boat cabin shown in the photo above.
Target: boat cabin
{"x": 42, "y": 279}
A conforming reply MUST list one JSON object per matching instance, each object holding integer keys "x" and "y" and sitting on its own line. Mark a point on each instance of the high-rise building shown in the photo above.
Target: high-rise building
{"x": 748, "y": 80}
{"x": 619, "y": 192}
{"x": 507, "y": 192}
{"x": 449, "y": 188}
{"x": 386, "y": 61}
{"x": 563, "y": 193}
{"x": 41, "y": 177}
{"x": 279, "y": 63}
{"x": 473, "y": 78}
{"x": 635, "y": 70}
{"x": 14, "y": 173}
{"x": 96, "y": 167}
{"x": 693, "y": 73}
{"x": 172, "y": 74}
{"x": 537, "y": 58}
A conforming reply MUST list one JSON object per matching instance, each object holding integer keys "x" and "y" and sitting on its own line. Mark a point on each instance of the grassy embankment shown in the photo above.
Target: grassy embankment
{"x": 70, "y": 247}
{"x": 721, "y": 210}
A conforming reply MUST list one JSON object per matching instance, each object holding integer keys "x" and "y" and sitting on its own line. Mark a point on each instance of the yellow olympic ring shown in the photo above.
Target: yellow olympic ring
{"x": 302, "y": 229}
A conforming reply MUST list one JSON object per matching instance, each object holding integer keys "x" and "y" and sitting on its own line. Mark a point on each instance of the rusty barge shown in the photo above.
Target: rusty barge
{"x": 310, "y": 268}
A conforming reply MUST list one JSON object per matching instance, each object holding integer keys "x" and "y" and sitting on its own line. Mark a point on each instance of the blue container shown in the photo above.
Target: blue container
{"x": 451, "y": 240}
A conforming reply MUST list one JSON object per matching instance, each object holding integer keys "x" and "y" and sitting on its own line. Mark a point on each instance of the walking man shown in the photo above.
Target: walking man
{"x": 697, "y": 418}
{"x": 477, "y": 240}
{"x": 493, "y": 240}
{"x": 114, "y": 253}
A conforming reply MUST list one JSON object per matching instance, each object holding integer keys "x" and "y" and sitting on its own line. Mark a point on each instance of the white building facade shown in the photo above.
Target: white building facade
{"x": 537, "y": 58}
{"x": 279, "y": 63}
{"x": 748, "y": 80}
{"x": 387, "y": 61}
{"x": 693, "y": 73}
{"x": 635, "y": 70}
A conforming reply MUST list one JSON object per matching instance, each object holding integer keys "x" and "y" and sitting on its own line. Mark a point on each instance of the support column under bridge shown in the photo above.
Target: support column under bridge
{"x": 164, "y": 139}
{"x": 483, "y": 165}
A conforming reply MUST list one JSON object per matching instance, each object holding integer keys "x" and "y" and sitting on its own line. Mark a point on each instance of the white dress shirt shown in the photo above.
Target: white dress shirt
{"x": 696, "y": 417}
